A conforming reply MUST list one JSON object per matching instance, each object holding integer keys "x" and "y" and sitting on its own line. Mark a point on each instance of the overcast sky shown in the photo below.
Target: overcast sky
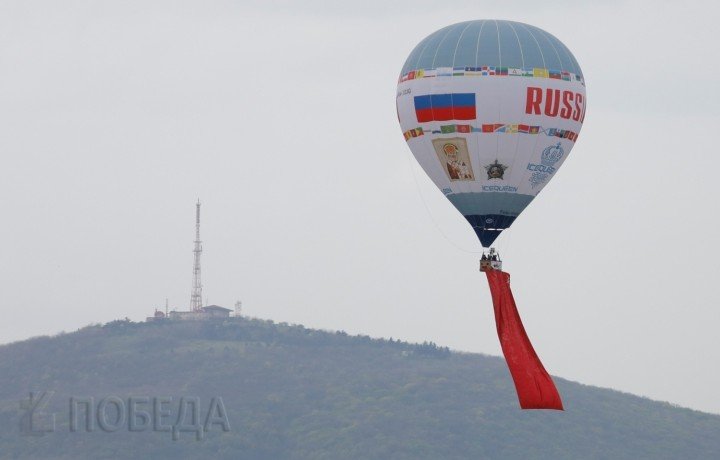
{"x": 116, "y": 116}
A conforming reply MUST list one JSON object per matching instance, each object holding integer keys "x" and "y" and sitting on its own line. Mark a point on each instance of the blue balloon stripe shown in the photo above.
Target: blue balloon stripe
{"x": 491, "y": 43}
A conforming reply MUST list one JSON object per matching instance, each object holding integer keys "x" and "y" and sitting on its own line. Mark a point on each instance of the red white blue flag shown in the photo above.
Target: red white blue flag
{"x": 443, "y": 107}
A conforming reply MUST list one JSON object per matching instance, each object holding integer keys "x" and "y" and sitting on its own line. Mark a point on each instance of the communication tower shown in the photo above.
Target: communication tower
{"x": 196, "y": 296}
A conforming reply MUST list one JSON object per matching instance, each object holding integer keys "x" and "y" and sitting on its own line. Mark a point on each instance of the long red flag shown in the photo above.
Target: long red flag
{"x": 535, "y": 388}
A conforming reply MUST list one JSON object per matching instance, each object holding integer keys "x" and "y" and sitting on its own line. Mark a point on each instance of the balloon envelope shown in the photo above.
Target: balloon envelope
{"x": 491, "y": 109}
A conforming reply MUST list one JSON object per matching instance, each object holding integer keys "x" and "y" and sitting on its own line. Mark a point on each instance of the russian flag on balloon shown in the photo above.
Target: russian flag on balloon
{"x": 443, "y": 107}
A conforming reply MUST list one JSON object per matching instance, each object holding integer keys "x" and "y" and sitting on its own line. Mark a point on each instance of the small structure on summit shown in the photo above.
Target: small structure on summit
{"x": 209, "y": 312}
{"x": 159, "y": 315}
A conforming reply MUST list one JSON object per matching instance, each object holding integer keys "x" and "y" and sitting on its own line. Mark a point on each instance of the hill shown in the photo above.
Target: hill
{"x": 294, "y": 393}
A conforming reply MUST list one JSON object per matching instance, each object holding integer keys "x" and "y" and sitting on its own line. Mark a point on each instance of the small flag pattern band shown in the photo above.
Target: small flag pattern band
{"x": 493, "y": 128}
{"x": 491, "y": 71}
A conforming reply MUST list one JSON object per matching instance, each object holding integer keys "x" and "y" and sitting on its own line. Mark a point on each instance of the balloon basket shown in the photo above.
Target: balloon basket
{"x": 490, "y": 261}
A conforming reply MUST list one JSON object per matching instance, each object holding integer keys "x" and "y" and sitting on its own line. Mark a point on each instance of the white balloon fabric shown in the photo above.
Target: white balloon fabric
{"x": 491, "y": 109}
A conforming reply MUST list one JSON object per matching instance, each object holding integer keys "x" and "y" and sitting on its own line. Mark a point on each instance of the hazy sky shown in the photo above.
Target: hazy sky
{"x": 280, "y": 116}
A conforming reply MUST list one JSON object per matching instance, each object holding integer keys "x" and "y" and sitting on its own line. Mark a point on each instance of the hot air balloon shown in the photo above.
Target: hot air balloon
{"x": 491, "y": 109}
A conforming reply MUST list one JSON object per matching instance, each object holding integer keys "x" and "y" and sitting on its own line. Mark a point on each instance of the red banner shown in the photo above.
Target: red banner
{"x": 535, "y": 388}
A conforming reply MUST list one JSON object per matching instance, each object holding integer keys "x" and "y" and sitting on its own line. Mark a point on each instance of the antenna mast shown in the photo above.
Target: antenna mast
{"x": 196, "y": 297}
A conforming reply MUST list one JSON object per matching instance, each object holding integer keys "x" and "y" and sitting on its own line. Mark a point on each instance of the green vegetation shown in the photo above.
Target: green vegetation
{"x": 297, "y": 393}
